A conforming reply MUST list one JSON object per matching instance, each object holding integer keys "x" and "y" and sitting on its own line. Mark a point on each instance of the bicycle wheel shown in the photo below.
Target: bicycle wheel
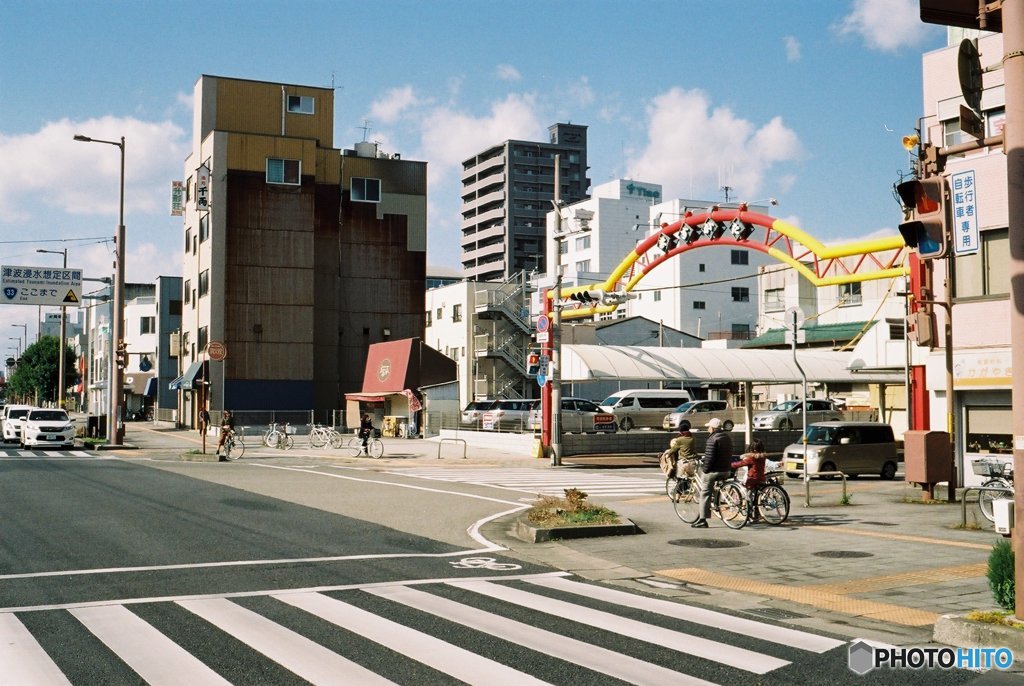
{"x": 670, "y": 485}
{"x": 286, "y": 442}
{"x": 233, "y": 449}
{"x": 317, "y": 438}
{"x": 985, "y": 498}
{"x": 337, "y": 440}
{"x": 686, "y": 502}
{"x": 376, "y": 448}
{"x": 773, "y": 504}
{"x": 732, "y": 505}
{"x": 270, "y": 438}
{"x": 355, "y": 445}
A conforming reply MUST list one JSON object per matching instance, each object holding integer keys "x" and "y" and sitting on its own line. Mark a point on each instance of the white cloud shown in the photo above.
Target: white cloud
{"x": 450, "y": 136}
{"x": 884, "y": 25}
{"x": 53, "y": 170}
{"x": 688, "y": 144}
{"x": 393, "y": 104}
{"x": 581, "y": 93}
{"x": 506, "y": 72}
{"x": 792, "y": 48}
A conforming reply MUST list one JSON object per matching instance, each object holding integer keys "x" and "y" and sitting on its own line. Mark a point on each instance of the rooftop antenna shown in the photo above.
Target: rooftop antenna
{"x": 726, "y": 190}
{"x": 365, "y": 127}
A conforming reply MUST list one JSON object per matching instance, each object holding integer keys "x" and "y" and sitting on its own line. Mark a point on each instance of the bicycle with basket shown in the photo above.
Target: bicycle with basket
{"x": 1000, "y": 476}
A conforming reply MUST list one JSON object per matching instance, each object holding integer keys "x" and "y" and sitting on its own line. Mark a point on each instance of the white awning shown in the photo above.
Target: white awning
{"x": 703, "y": 365}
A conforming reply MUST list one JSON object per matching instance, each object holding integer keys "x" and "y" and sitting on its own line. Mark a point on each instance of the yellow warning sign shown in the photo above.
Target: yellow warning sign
{"x": 71, "y": 297}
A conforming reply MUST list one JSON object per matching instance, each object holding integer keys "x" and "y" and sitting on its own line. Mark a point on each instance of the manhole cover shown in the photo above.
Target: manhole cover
{"x": 843, "y": 553}
{"x": 708, "y": 543}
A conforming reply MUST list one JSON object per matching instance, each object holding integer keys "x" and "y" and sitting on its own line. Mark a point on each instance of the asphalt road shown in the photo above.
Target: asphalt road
{"x": 126, "y": 571}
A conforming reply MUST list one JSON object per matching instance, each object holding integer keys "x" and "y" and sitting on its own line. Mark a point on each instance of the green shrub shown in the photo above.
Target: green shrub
{"x": 1000, "y": 574}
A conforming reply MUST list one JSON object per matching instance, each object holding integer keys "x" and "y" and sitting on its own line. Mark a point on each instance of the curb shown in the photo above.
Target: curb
{"x": 531, "y": 534}
{"x": 957, "y": 630}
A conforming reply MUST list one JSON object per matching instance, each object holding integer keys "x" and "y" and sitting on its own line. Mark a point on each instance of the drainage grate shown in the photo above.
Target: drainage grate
{"x": 842, "y": 553}
{"x": 774, "y": 613}
{"x": 708, "y": 543}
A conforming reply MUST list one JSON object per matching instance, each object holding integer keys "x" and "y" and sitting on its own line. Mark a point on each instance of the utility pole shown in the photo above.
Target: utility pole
{"x": 556, "y": 326}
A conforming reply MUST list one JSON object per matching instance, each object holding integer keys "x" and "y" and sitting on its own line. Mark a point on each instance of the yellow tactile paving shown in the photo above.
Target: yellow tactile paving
{"x": 901, "y": 537}
{"x": 835, "y": 602}
{"x": 924, "y": 576}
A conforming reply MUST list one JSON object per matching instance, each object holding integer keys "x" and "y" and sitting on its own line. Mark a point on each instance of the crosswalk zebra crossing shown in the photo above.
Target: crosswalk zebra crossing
{"x": 39, "y": 453}
{"x": 545, "y": 482}
{"x": 526, "y": 629}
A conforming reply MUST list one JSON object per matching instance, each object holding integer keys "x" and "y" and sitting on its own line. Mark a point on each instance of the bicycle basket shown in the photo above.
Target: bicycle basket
{"x": 989, "y": 467}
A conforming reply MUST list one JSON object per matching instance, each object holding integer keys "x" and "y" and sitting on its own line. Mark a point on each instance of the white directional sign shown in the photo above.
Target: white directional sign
{"x": 51, "y": 286}
{"x": 964, "y": 211}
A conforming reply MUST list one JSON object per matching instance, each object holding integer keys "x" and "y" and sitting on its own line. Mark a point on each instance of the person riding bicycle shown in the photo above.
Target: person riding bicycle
{"x": 715, "y": 465}
{"x": 365, "y": 431}
{"x": 227, "y": 427}
{"x": 754, "y": 461}
{"x": 680, "y": 449}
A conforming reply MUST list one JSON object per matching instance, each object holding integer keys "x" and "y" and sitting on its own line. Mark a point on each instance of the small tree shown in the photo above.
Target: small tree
{"x": 1000, "y": 574}
{"x": 38, "y": 368}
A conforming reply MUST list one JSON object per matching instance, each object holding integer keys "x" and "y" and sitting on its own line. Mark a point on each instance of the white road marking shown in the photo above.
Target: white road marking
{"x": 24, "y": 660}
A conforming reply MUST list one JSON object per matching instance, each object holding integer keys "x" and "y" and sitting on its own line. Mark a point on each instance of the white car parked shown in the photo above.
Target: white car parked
{"x": 45, "y": 427}
{"x": 13, "y": 415}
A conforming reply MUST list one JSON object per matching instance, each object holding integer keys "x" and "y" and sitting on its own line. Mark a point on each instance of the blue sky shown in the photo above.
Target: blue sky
{"x": 802, "y": 101}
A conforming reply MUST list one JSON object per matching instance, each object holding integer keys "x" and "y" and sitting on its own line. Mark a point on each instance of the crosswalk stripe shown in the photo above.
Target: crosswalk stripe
{"x": 537, "y": 481}
{"x": 156, "y": 658}
{"x": 596, "y": 658}
{"x": 24, "y": 660}
{"x": 311, "y": 661}
{"x": 442, "y": 656}
{"x": 689, "y": 644}
{"x": 793, "y": 638}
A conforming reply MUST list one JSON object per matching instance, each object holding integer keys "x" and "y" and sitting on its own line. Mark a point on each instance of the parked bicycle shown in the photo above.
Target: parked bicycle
{"x": 728, "y": 499}
{"x": 1000, "y": 476}
{"x": 234, "y": 446}
{"x": 279, "y": 437}
{"x": 321, "y": 436}
{"x": 770, "y": 501}
{"x": 374, "y": 446}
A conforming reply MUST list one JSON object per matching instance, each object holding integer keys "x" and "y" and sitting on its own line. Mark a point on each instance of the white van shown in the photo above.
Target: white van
{"x": 642, "y": 407}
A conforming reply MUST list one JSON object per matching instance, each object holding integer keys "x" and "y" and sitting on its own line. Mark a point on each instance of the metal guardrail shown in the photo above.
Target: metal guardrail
{"x": 452, "y": 440}
{"x": 979, "y": 489}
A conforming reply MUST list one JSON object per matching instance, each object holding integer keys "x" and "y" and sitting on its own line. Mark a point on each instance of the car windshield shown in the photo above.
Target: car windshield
{"x": 610, "y": 401}
{"x": 15, "y": 414}
{"x": 820, "y": 435}
{"x": 480, "y": 405}
{"x": 48, "y": 416}
{"x": 684, "y": 407}
{"x": 786, "y": 406}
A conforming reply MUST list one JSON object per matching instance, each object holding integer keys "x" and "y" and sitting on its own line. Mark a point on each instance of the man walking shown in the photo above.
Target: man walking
{"x": 716, "y": 465}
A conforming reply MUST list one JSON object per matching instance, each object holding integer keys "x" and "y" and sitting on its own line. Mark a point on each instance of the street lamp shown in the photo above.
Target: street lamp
{"x": 18, "y": 339}
{"x": 117, "y": 313}
{"x": 63, "y": 333}
{"x": 25, "y": 327}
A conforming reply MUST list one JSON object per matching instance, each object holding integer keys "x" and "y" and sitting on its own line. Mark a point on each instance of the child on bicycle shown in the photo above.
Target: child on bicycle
{"x": 754, "y": 460}
{"x": 227, "y": 427}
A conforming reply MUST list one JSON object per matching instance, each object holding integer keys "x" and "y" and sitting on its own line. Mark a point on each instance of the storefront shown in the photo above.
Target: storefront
{"x": 982, "y": 382}
{"x": 394, "y": 372}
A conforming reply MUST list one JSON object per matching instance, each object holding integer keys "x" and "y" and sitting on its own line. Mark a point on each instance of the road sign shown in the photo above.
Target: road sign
{"x": 963, "y": 197}
{"x": 217, "y": 351}
{"x": 541, "y": 380}
{"x": 543, "y": 336}
{"x": 51, "y": 286}
{"x": 543, "y": 323}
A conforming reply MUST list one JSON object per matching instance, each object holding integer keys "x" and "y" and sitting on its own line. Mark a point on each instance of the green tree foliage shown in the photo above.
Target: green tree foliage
{"x": 1000, "y": 574}
{"x": 36, "y": 373}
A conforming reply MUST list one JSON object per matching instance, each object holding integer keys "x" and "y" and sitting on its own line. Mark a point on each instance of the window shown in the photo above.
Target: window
{"x": 204, "y": 337}
{"x": 740, "y": 257}
{"x": 300, "y": 104}
{"x": 281, "y": 171}
{"x": 740, "y": 294}
{"x": 741, "y": 332}
{"x": 583, "y": 242}
{"x": 188, "y": 240}
{"x": 147, "y": 325}
{"x": 188, "y": 291}
{"x": 457, "y": 313}
{"x": 365, "y": 190}
{"x": 583, "y": 266}
{"x": 700, "y": 267}
{"x": 699, "y": 305}
{"x": 563, "y": 247}
{"x": 987, "y": 272}
{"x": 204, "y": 282}
{"x": 657, "y": 296}
{"x": 951, "y": 133}
{"x": 774, "y": 298}
{"x": 428, "y": 317}
{"x": 440, "y": 311}
{"x": 850, "y": 293}
{"x": 204, "y": 227}
{"x": 174, "y": 307}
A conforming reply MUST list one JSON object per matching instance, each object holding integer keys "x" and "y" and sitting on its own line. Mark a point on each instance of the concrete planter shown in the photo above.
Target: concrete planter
{"x": 525, "y": 531}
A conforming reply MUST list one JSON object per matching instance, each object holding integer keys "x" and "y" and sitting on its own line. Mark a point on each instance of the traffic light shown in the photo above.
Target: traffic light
{"x": 533, "y": 364}
{"x": 586, "y": 297}
{"x": 925, "y": 202}
{"x": 121, "y": 355}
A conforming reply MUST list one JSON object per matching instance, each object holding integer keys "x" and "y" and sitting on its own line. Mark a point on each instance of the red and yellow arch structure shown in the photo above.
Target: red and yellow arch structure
{"x": 882, "y": 258}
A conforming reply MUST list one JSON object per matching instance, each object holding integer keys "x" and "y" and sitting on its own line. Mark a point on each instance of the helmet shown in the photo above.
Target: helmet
{"x": 684, "y": 425}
